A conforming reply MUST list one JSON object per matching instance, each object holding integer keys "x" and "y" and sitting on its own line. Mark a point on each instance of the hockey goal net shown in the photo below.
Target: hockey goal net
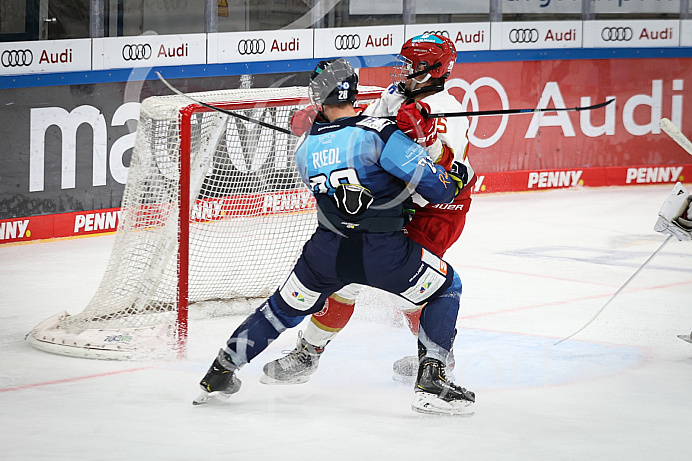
{"x": 213, "y": 209}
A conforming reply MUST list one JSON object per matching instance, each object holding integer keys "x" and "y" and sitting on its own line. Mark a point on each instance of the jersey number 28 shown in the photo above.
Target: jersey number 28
{"x": 320, "y": 184}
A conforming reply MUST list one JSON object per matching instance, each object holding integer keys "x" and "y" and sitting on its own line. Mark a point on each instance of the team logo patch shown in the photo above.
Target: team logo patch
{"x": 296, "y": 295}
{"x": 375, "y": 123}
{"x": 444, "y": 179}
{"x": 427, "y": 284}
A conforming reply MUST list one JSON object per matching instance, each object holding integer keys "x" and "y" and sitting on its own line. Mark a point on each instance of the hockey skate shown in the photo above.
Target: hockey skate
{"x": 219, "y": 383}
{"x": 435, "y": 395}
{"x": 687, "y": 338}
{"x": 295, "y": 367}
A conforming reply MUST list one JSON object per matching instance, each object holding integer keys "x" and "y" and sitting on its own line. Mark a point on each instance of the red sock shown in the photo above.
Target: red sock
{"x": 335, "y": 315}
{"x": 413, "y": 320}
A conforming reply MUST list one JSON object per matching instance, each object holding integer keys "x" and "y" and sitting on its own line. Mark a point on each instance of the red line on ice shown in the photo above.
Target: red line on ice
{"x": 69, "y": 380}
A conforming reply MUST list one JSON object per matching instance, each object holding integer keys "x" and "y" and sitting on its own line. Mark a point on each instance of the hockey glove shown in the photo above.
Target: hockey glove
{"x": 302, "y": 120}
{"x": 410, "y": 120}
{"x": 460, "y": 175}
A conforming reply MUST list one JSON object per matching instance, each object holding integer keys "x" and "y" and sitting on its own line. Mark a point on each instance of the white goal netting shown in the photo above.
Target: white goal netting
{"x": 245, "y": 215}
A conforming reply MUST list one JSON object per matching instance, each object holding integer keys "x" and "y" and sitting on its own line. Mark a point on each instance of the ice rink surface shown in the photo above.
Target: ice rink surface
{"x": 535, "y": 267}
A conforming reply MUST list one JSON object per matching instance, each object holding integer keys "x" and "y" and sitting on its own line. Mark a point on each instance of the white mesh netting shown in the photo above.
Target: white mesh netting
{"x": 249, "y": 216}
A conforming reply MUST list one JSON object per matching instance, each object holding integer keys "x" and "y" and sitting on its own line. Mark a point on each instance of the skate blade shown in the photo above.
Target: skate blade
{"x": 264, "y": 379}
{"x": 205, "y": 397}
{"x": 431, "y": 404}
{"x": 202, "y": 398}
{"x": 687, "y": 338}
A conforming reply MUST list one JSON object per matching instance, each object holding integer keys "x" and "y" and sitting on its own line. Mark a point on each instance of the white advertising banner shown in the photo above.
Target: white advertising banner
{"x": 535, "y": 35}
{"x": 472, "y": 36}
{"x": 45, "y": 56}
{"x": 358, "y": 41}
{"x": 541, "y": 6}
{"x": 271, "y": 45}
{"x": 631, "y": 34}
{"x": 149, "y": 51}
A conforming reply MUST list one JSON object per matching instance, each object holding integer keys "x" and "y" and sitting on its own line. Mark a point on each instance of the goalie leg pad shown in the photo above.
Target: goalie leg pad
{"x": 675, "y": 215}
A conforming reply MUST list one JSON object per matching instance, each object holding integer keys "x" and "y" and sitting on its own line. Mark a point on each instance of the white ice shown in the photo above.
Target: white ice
{"x": 535, "y": 266}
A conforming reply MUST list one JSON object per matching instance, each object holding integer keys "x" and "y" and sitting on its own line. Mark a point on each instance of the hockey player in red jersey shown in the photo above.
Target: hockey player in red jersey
{"x": 418, "y": 78}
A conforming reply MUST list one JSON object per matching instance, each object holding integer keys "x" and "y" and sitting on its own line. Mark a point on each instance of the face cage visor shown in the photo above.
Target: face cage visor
{"x": 402, "y": 69}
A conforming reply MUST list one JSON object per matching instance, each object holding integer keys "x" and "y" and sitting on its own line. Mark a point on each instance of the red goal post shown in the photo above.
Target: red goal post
{"x": 213, "y": 212}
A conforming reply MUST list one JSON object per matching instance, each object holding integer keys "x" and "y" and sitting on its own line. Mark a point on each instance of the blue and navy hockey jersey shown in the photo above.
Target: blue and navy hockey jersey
{"x": 373, "y": 153}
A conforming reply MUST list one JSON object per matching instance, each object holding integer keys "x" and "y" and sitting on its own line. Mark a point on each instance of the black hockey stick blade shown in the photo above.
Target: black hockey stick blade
{"x": 515, "y": 111}
{"x": 224, "y": 111}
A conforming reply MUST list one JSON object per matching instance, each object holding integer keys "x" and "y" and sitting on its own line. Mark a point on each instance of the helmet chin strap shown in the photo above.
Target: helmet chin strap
{"x": 410, "y": 93}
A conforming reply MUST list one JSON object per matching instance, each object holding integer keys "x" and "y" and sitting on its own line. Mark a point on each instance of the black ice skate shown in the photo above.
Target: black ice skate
{"x": 436, "y": 395}
{"x": 295, "y": 367}
{"x": 219, "y": 382}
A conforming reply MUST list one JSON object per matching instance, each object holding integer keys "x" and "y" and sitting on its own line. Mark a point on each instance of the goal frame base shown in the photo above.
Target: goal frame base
{"x": 151, "y": 342}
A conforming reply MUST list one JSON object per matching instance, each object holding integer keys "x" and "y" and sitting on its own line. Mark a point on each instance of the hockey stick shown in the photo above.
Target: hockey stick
{"x": 617, "y": 292}
{"x": 515, "y": 111}
{"x": 224, "y": 111}
{"x": 674, "y": 132}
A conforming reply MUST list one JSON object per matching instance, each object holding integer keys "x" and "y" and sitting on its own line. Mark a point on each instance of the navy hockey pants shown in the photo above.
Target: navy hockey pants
{"x": 389, "y": 261}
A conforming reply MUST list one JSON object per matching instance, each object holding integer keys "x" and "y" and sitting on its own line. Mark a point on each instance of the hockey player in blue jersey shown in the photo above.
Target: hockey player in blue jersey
{"x": 362, "y": 172}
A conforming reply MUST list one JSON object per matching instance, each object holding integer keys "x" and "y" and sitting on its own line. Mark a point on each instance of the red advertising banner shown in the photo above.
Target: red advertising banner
{"x": 301, "y": 201}
{"x": 59, "y": 225}
{"x": 103, "y": 221}
{"x": 618, "y": 145}
{"x": 624, "y": 133}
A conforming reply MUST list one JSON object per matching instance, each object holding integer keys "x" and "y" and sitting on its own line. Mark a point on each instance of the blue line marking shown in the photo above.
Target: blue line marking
{"x": 496, "y": 360}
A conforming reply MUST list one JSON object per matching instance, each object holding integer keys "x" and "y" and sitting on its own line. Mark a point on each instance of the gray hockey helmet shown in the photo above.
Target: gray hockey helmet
{"x": 332, "y": 82}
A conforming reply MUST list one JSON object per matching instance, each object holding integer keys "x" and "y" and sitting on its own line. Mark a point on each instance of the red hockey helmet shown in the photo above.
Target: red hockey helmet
{"x": 424, "y": 54}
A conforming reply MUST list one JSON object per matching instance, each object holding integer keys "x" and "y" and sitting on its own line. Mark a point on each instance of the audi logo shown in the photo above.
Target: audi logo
{"x": 523, "y": 35}
{"x": 347, "y": 42}
{"x": 441, "y": 33}
{"x": 137, "y": 52}
{"x": 16, "y": 58}
{"x": 482, "y": 86}
{"x": 616, "y": 34}
{"x": 251, "y": 46}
